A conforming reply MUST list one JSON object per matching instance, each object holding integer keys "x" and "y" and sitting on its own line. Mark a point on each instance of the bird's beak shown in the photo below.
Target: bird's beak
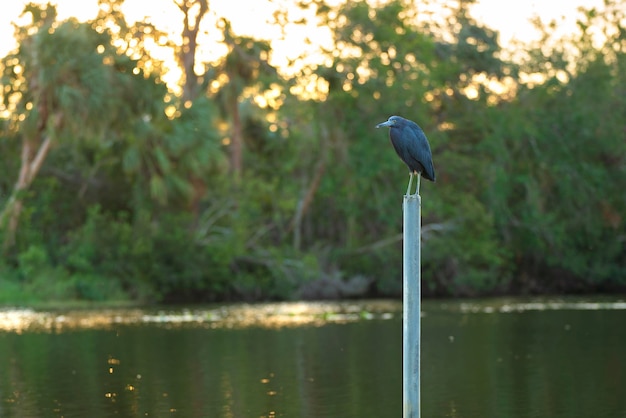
{"x": 386, "y": 123}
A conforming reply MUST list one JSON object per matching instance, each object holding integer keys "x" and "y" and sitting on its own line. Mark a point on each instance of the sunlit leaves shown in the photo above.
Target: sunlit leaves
{"x": 530, "y": 168}
{"x": 108, "y": 104}
{"x": 555, "y": 191}
{"x": 136, "y": 41}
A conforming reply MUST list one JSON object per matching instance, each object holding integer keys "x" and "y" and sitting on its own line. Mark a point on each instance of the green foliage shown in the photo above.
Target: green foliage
{"x": 273, "y": 273}
{"x": 33, "y": 261}
{"x": 462, "y": 255}
{"x": 138, "y": 198}
{"x": 559, "y": 176}
{"x": 145, "y": 259}
{"x": 37, "y": 279}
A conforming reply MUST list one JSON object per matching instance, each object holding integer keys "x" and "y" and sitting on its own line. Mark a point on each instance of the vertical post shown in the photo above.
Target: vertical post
{"x": 411, "y": 298}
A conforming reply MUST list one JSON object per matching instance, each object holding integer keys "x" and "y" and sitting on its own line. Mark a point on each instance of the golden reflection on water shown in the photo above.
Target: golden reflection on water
{"x": 553, "y": 305}
{"x": 272, "y": 315}
{"x": 269, "y": 315}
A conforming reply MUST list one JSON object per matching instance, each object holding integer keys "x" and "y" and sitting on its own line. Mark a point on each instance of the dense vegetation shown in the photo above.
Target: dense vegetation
{"x": 252, "y": 182}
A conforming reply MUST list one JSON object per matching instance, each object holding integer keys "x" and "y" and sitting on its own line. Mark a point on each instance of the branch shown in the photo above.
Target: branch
{"x": 428, "y": 230}
{"x": 42, "y": 152}
{"x": 35, "y": 165}
{"x": 378, "y": 244}
{"x": 426, "y": 233}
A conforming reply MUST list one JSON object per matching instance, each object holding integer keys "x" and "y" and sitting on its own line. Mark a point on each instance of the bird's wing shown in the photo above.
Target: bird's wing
{"x": 419, "y": 150}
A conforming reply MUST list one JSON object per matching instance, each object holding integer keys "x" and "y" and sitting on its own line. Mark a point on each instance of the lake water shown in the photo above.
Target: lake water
{"x": 480, "y": 359}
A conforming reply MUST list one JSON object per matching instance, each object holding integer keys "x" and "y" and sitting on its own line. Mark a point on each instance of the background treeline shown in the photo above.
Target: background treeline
{"x": 254, "y": 182}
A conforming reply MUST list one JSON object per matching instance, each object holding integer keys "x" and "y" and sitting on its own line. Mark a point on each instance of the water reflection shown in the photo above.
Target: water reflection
{"x": 269, "y": 315}
{"x": 273, "y": 315}
{"x": 496, "y": 358}
{"x": 525, "y": 359}
{"x": 507, "y": 306}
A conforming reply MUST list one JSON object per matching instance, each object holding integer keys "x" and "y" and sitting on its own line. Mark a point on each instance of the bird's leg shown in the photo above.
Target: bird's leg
{"x": 408, "y": 189}
{"x": 419, "y": 175}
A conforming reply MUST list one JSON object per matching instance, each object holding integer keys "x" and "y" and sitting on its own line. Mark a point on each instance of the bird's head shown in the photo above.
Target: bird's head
{"x": 392, "y": 121}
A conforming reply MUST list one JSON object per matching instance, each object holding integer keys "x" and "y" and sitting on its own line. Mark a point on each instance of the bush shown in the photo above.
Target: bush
{"x": 153, "y": 260}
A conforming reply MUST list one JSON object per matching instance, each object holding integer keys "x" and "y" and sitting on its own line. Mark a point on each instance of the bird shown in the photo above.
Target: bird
{"x": 412, "y": 146}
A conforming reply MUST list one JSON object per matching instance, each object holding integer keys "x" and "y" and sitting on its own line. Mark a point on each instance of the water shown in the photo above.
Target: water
{"x": 494, "y": 359}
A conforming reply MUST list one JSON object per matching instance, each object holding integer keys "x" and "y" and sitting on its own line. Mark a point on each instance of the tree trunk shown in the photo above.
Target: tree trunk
{"x": 236, "y": 145}
{"x": 29, "y": 168}
{"x": 305, "y": 202}
{"x": 187, "y": 53}
{"x": 307, "y": 199}
{"x": 186, "y": 56}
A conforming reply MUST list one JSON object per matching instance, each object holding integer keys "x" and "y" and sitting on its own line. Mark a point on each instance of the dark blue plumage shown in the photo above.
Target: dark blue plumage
{"x": 411, "y": 145}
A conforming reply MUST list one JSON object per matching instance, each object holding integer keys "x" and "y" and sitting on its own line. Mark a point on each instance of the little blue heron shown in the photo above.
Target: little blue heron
{"x": 411, "y": 145}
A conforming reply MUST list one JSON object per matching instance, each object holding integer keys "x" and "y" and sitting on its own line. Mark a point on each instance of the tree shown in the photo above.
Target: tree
{"x": 388, "y": 60}
{"x": 246, "y": 65}
{"x": 64, "y": 84}
{"x": 557, "y": 152}
{"x": 69, "y": 85}
{"x": 193, "y": 13}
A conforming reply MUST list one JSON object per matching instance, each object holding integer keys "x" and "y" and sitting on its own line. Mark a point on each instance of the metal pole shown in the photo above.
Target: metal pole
{"x": 411, "y": 289}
